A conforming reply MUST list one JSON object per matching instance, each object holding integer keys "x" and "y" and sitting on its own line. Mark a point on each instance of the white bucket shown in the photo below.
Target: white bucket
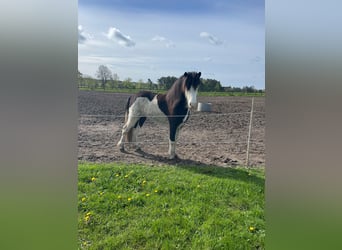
{"x": 204, "y": 107}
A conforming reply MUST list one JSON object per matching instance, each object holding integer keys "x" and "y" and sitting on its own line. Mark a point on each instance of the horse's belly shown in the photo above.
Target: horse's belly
{"x": 153, "y": 111}
{"x": 159, "y": 119}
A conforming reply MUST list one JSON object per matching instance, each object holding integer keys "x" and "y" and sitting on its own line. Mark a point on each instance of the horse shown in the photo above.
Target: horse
{"x": 175, "y": 104}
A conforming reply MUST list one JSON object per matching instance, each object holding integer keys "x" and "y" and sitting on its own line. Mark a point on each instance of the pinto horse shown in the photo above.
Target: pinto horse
{"x": 175, "y": 105}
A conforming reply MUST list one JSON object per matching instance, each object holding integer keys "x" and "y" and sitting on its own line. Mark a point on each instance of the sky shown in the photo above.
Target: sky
{"x": 149, "y": 39}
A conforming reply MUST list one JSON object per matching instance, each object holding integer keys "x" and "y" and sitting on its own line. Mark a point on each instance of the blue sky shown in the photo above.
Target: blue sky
{"x": 225, "y": 40}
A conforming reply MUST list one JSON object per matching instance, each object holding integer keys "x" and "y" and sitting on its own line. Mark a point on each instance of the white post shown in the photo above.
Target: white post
{"x": 249, "y": 132}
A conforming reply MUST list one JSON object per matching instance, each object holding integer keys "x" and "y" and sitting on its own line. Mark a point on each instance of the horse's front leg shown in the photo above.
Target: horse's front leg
{"x": 172, "y": 140}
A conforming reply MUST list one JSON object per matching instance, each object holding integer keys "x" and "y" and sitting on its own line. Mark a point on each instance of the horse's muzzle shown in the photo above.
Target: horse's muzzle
{"x": 192, "y": 105}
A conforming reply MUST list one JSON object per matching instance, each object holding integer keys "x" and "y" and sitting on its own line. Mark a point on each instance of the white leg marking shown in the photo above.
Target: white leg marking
{"x": 172, "y": 149}
{"x": 121, "y": 141}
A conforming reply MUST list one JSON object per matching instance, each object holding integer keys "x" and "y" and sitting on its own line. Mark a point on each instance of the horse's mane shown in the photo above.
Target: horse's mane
{"x": 181, "y": 79}
{"x": 176, "y": 87}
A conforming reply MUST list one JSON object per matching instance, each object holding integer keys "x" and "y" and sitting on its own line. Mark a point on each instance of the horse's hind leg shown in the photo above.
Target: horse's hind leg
{"x": 129, "y": 125}
{"x": 134, "y": 132}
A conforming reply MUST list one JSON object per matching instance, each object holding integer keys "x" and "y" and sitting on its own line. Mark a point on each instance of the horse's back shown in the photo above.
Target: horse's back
{"x": 147, "y": 94}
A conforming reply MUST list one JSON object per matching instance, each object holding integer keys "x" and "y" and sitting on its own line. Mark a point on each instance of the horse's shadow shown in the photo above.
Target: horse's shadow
{"x": 233, "y": 172}
{"x": 155, "y": 158}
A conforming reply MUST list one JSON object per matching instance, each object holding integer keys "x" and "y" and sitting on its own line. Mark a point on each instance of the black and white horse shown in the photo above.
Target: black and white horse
{"x": 175, "y": 105}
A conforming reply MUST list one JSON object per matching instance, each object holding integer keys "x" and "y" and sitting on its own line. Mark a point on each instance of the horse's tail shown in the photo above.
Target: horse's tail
{"x": 129, "y": 134}
{"x": 127, "y": 108}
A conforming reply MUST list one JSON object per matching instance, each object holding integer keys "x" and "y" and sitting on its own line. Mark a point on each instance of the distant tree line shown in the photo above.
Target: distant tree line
{"x": 245, "y": 89}
{"x": 108, "y": 80}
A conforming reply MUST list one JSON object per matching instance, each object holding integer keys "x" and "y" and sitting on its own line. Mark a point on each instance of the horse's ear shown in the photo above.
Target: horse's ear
{"x": 199, "y": 74}
{"x": 185, "y": 74}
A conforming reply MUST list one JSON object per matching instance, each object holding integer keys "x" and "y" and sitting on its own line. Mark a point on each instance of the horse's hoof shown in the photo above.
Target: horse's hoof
{"x": 120, "y": 145}
{"x": 122, "y": 149}
{"x": 173, "y": 157}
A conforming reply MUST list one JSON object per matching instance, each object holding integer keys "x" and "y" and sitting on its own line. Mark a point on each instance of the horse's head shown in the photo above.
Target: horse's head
{"x": 191, "y": 83}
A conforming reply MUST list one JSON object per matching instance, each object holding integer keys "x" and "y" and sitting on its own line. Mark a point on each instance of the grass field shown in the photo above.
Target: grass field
{"x": 200, "y": 93}
{"x": 170, "y": 207}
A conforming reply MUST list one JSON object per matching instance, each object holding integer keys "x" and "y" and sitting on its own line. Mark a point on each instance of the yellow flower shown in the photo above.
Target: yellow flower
{"x": 251, "y": 228}
{"x": 156, "y": 190}
{"x": 87, "y": 218}
{"x": 198, "y": 186}
{"x": 144, "y": 182}
{"x": 101, "y": 193}
{"x": 119, "y": 197}
{"x": 117, "y": 175}
{"x": 126, "y": 176}
{"x": 84, "y": 199}
{"x": 147, "y": 195}
{"x": 93, "y": 179}
{"x": 129, "y": 198}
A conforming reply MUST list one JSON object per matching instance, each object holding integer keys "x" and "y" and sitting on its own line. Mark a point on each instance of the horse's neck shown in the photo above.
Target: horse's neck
{"x": 175, "y": 92}
{"x": 175, "y": 98}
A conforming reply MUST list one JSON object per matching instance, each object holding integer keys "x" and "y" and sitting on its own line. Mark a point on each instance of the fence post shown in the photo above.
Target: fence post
{"x": 249, "y": 133}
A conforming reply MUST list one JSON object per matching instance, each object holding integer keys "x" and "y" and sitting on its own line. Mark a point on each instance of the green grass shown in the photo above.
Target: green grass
{"x": 200, "y": 93}
{"x": 170, "y": 207}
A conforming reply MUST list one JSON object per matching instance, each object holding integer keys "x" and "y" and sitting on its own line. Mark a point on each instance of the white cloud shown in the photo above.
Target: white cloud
{"x": 212, "y": 39}
{"x": 81, "y": 35}
{"x": 84, "y": 37}
{"x": 168, "y": 43}
{"x": 115, "y": 34}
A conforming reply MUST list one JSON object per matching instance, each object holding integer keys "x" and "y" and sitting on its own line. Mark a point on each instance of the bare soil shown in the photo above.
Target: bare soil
{"x": 217, "y": 138}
